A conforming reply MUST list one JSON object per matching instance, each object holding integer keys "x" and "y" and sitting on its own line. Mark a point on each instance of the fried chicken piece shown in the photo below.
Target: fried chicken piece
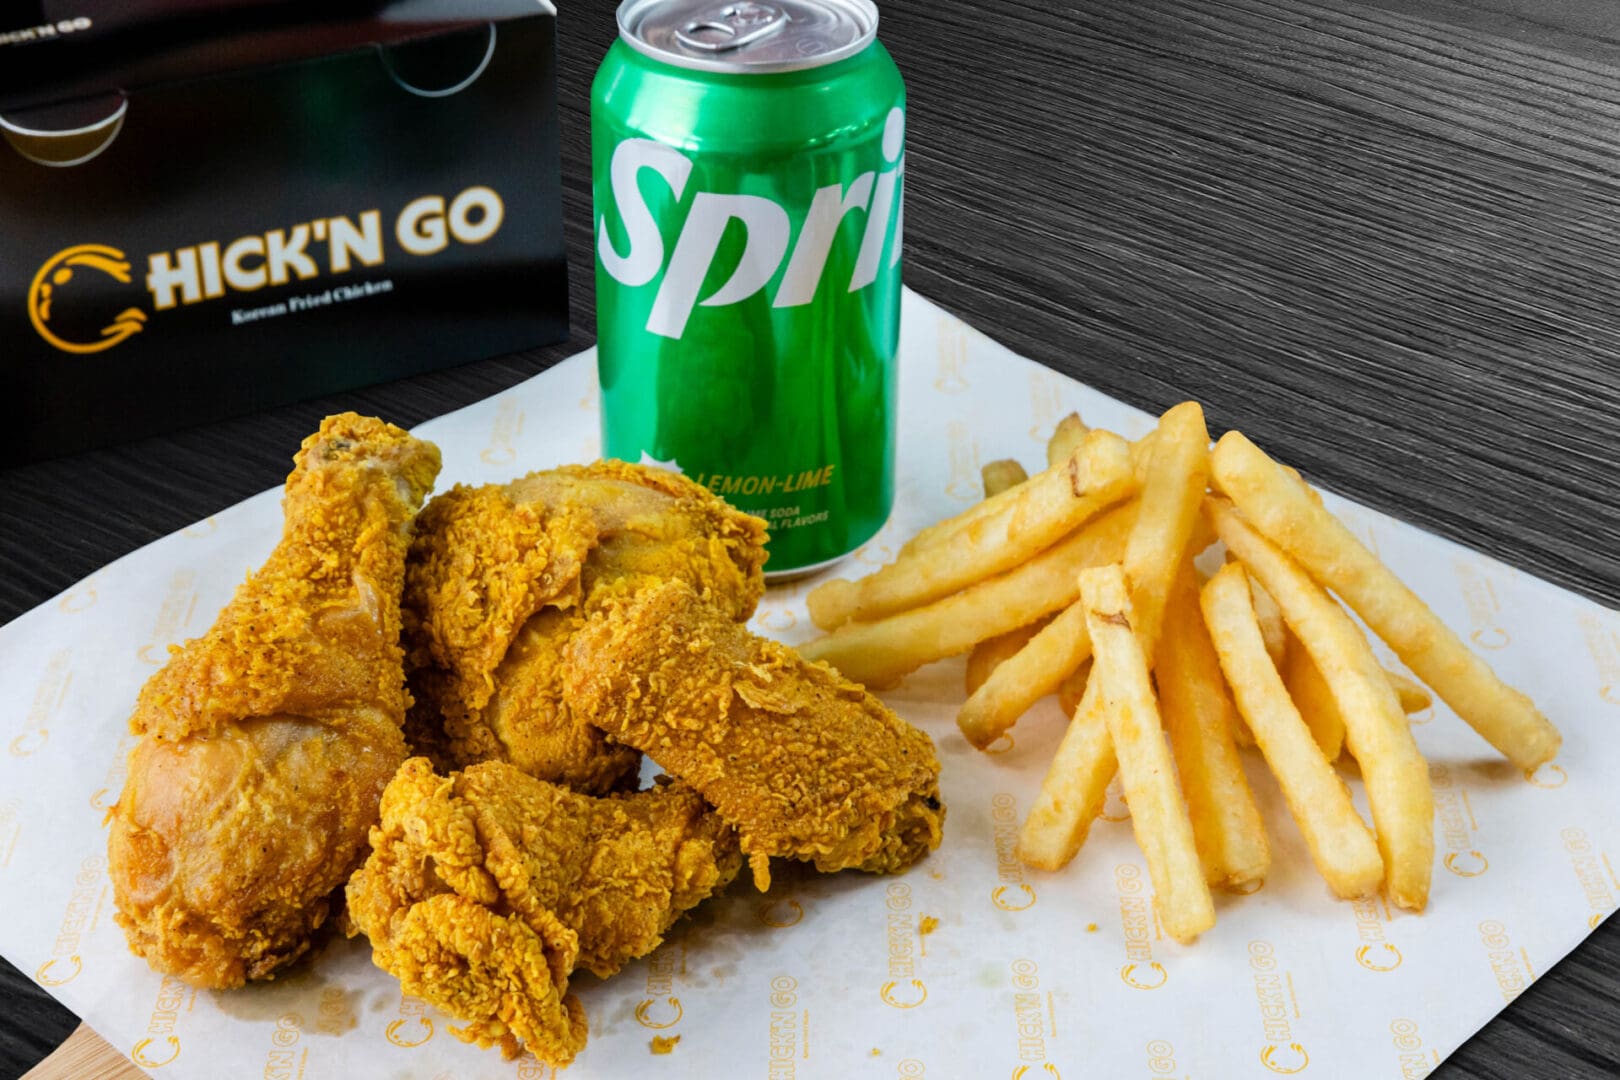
{"x": 805, "y": 764}
{"x": 485, "y": 890}
{"x": 500, "y": 577}
{"x": 267, "y": 742}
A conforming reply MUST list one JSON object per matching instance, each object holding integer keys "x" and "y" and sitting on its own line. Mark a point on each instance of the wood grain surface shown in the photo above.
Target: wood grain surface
{"x": 1378, "y": 236}
{"x": 84, "y": 1056}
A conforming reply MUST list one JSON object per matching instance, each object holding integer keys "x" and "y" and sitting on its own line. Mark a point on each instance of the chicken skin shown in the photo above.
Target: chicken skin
{"x": 267, "y": 742}
{"x": 500, "y": 577}
{"x": 804, "y": 763}
{"x": 486, "y": 889}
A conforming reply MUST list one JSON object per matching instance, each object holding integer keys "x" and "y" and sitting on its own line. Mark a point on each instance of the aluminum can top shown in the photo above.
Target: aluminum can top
{"x": 748, "y": 37}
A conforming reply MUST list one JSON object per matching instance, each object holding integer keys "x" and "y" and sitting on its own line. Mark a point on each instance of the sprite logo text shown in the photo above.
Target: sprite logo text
{"x": 768, "y": 230}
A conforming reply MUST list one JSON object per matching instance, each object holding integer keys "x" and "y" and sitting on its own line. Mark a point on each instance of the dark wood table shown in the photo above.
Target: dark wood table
{"x": 1379, "y": 236}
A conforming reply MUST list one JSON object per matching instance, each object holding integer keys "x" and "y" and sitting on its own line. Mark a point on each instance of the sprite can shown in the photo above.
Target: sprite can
{"x": 747, "y": 179}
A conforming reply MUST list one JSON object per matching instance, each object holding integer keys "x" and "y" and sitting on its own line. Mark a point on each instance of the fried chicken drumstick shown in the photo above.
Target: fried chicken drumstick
{"x": 806, "y": 764}
{"x": 485, "y": 890}
{"x": 501, "y": 576}
{"x": 267, "y": 742}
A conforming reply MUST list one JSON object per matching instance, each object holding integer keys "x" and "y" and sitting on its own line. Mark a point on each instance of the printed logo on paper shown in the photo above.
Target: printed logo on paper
{"x": 1375, "y": 953}
{"x": 1274, "y": 997}
{"x": 414, "y": 1027}
{"x": 503, "y": 433}
{"x": 1141, "y": 971}
{"x": 1458, "y": 829}
{"x": 781, "y": 913}
{"x": 1286, "y": 1060}
{"x": 903, "y": 990}
{"x": 161, "y": 1045}
{"x": 1594, "y": 873}
{"x": 1012, "y": 893}
{"x": 787, "y": 1036}
{"x": 951, "y": 377}
{"x": 661, "y": 1008}
{"x": 1547, "y": 775}
{"x": 1510, "y": 966}
{"x": 1414, "y": 1062}
{"x": 1034, "y": 1021}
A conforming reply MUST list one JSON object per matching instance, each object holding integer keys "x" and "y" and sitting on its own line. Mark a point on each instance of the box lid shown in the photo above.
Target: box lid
{"x": 54, "y": 52}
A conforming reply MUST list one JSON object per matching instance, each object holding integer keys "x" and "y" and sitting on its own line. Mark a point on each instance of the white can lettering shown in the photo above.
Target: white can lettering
{"x": 645, "y": 258}
{"x": 768, "y": 228}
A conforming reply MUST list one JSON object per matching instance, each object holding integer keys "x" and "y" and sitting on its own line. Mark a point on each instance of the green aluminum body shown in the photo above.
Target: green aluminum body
{"x": 727, "y": 345}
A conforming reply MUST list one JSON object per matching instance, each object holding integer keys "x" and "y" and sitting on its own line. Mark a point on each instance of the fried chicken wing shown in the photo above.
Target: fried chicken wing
{"x": 486, "y": 889}
{"x": 502, "y": 576}
{"x": 804, "y": 763}
{"x": 267, "y": 742}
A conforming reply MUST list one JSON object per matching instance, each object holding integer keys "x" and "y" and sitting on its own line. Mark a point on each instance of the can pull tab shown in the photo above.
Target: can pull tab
{"x": 732, "y": 27}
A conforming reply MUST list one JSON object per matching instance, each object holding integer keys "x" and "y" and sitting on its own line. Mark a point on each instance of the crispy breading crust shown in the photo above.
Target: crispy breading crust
{"x": 268, "y": 740}
{"x": 485, "y": 889}
{"x": 480, "y": 566}
{"x": 342, "y": 548}
{"x": 805, "y": 764}
{"x": 501, "y": 576}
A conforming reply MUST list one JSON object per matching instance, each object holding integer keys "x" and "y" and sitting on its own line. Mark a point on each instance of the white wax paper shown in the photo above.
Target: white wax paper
{"x": 1024, "y": 975}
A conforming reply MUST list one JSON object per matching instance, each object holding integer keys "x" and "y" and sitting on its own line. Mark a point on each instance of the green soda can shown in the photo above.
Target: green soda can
{"x": 747, "y": 161}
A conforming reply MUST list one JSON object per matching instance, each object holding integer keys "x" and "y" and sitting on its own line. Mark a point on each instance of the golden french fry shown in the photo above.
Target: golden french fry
{"x": 1413, "y": 697}
{"x": 996, "y": 535}
{"x": 1142, "y": 455}
{"x": 1199, "y": 718}
{"x": 1074, "y": 788}
{"x": 1396, "y": 776}
{"x": 1281, "y": 509}
{"x": 991, "y": 653}
{"x": 1241, "y": 733}
{"x": 1159, "y": 817}
{"x": 944, "y": 532}
{"x": 1313, "y": 699}
{"x": 1167, "y": 525}
{"x": 1174, "y": 487}
{"x": 1023, "y": 679}
{"x": 880, "y": 653}
{"x": 1065, "y": 438}
{"x": 1341, "y": 845}
{"x": 1202, "y": 537}
{"x": 1073, "y": 688}
{"x": 1071, "y": 429}
{"x": 1001, "y": 474}
{"x": 1271, "y": 624}
{"x": 1316, "y": 704}
{"x": 986, "y": 655}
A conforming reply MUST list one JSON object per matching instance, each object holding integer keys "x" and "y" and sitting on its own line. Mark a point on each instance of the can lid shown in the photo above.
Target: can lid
{"x": 747, "y": 37}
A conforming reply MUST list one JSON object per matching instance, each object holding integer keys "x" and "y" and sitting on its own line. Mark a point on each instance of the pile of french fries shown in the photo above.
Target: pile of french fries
{"x": 1081, "y": 580}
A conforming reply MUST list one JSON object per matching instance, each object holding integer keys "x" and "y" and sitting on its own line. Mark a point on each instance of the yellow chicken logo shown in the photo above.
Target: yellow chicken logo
{"x": 1295, "y": 1059}
{"x": 1389, "y": 961}
{"x": 52, "y": 288}
{"x": 47, "y": 977}
{"x": 887, "y": 993}
{"x": 1153, "y": 982}
{"x": 140, "y": 1054}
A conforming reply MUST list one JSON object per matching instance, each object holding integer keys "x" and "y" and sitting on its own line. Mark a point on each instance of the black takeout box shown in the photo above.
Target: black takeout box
{"x": 209, "y": 207}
